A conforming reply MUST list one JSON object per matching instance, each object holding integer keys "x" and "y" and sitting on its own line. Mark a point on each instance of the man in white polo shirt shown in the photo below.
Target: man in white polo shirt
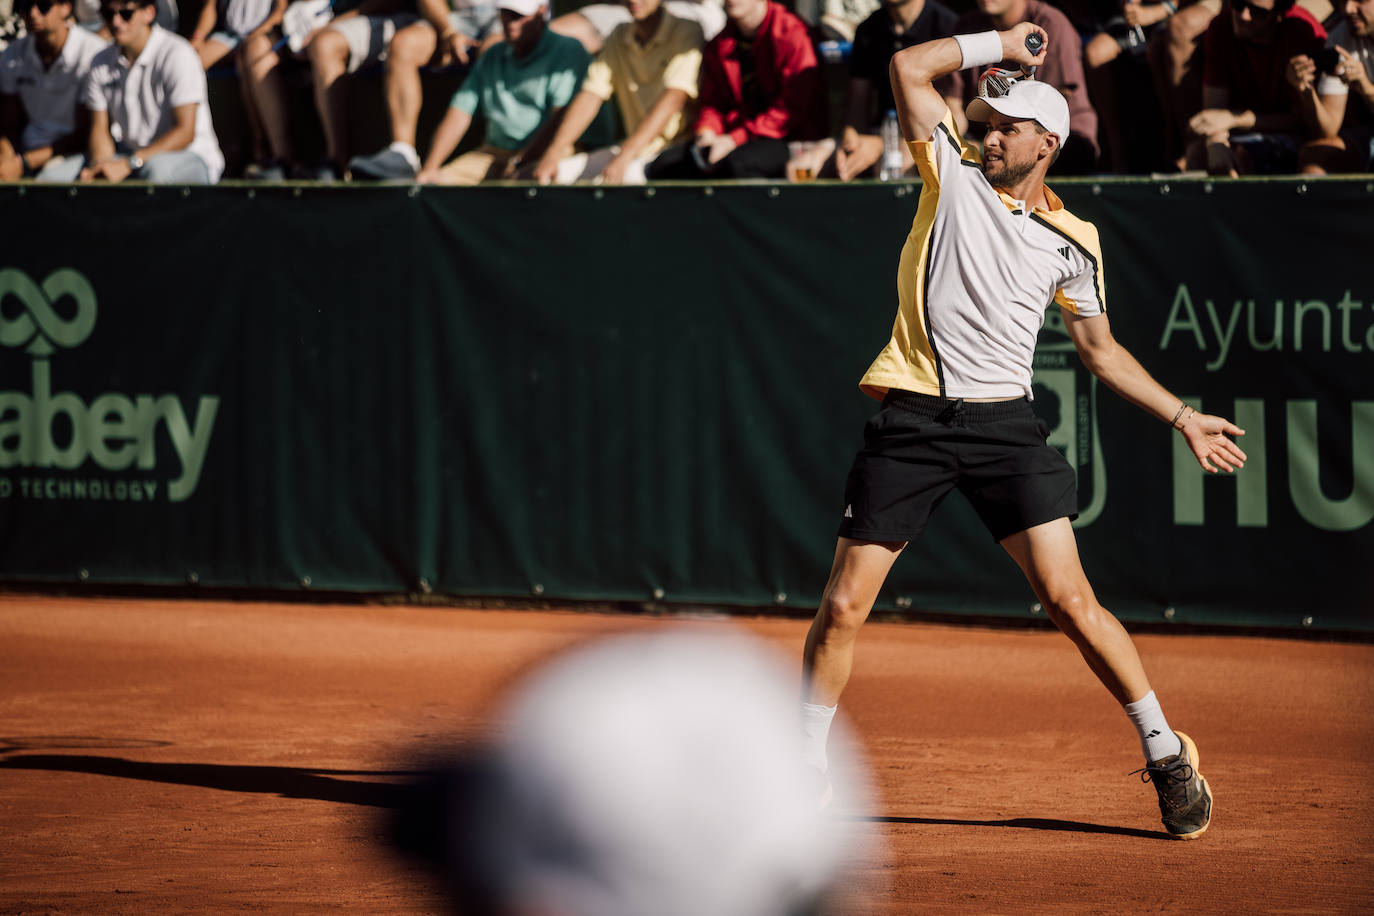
{"x": 40, "y": 77}
{"x": 990, "y": 249}
{"x": 146, "y": 94}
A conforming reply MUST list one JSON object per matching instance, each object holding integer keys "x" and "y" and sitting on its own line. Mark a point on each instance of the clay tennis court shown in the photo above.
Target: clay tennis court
{"x": 179, "y": 756}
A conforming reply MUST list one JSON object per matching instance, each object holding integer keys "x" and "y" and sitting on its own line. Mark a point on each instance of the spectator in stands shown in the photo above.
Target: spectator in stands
{"x": 650, "y": 66}
{"x": 895, "y": 26}
{"x": 146, "y": 97}
{"x": 1063, "y": 69}
{"x": 592, "y": 24}
{"x": 40, "y": 79}
{"x": 350, "y": 41}
{"x": 250, "y": 32}
{"x": 1337, "y": 96}
{"x": 442, "y": 38}
{"x": 1117, "y": 72}
{"x": 1250, "y": 121}
{"x": 1175, "y": 58}
{"x": 760, "y": 87}
{"x": 522, "y": 88}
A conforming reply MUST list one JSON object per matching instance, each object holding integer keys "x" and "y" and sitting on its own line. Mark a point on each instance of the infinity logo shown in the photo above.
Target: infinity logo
{"x": 39, "y": 325}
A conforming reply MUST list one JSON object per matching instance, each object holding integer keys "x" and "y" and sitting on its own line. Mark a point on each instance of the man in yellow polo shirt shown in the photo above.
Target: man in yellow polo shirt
{"x": 650, "y": 66}
{"x": 990, "y": 249}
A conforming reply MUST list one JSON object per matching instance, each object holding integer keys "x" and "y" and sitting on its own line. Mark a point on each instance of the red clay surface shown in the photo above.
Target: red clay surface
{"x": 170, "y": 756}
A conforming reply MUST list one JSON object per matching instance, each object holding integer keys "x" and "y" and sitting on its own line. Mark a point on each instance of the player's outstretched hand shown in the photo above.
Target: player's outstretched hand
{"x": 1210, "y": 439}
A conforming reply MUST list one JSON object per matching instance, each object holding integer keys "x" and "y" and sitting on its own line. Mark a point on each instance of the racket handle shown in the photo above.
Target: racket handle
{"x": 1034, "y": 42}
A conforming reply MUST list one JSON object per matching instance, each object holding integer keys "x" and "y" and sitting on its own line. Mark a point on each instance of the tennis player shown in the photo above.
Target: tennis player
{"x": 991, "y": 248}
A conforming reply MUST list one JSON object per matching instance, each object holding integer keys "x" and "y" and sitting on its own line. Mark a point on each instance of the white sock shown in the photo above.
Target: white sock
{"x": 1157, "y": 739}
{"x": 815, "y": 731}
{"x": 408, "y": 151}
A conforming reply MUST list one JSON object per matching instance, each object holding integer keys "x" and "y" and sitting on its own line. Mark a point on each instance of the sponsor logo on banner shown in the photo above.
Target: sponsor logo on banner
{"x": 105, "y": 449}
{"x": 1066, "y": 399}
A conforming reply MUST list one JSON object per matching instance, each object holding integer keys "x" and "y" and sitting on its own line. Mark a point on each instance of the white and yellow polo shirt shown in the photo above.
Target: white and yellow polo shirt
{"x": 976, "y": 275}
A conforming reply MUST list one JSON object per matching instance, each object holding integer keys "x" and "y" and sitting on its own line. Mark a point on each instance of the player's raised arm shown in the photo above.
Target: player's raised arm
{"x": 912, "y": 71}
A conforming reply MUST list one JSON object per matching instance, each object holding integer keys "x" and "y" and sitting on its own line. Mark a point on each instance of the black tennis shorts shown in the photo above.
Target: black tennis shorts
{"x": 919, "y": 447}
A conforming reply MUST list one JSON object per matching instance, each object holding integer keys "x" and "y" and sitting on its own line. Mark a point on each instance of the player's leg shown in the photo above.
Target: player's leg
{"x": 856, "y": 576}
{"x": 1048, "y": 555}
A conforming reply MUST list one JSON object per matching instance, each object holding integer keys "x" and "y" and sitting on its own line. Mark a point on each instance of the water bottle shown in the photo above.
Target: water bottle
{"x": 891, "y": 166}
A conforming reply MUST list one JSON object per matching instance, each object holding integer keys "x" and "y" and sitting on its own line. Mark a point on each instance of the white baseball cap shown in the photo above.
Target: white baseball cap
{"x": 660, "y": 773}
{"x": 523, "y": 7}
{"x": 1027, "y": 99}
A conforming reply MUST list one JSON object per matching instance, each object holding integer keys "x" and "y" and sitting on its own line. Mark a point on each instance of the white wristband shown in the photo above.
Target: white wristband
{"x": 981, "y": 49}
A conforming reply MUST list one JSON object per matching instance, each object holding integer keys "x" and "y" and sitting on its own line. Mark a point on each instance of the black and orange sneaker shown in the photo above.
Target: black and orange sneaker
{"x": 1185, "y": 799}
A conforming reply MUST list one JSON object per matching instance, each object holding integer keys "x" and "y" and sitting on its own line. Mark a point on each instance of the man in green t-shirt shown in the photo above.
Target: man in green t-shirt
{"x": 521, "y": 87}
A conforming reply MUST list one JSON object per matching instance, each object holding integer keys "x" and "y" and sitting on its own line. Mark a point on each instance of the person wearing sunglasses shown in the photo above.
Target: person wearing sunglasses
{"x": 149, "y": 112}
{"x": 40, "y": 77}
{"x": 1250, "y": 122}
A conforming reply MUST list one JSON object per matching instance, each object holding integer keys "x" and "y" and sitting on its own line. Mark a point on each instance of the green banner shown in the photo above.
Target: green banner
{"x": 636, "y": 394}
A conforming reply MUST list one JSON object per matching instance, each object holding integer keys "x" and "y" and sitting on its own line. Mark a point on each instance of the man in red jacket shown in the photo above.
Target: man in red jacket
{"x": 760, "y": 87}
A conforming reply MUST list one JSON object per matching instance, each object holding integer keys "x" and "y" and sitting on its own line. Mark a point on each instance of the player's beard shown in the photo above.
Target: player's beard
{"x": 1010, "y": 175}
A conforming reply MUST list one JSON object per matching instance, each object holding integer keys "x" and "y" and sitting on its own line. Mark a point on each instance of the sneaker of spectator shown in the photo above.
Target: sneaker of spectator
{"x": 522, "y": 88}
{"x": 41, "y": 76}
{"x": 592, "y": 24}
{"x": 761, "y": 86}
{"x": 159, "y": 131}
{"x": 250, "y": 31}
{"x": 358, "y": 35}
{"x": 1336, "y": 92}
{"x": 897, "y": 25}
{"x": 443, "y": 37}
{"x": 1250, "y": 122}
{"x": 650, "y": 67}
{"x": 1063, "y": 69}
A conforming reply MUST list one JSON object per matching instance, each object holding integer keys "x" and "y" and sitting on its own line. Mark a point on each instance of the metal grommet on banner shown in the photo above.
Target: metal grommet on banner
{"x": 83, "y": 574}
{"x": 305, "y": 581}
{"x": 1169, "y": 613}
{"x": 1307, "y": 621}
{"x": 1097, "y": 190}
{"x": 708, "y": 191}
{"x": 1036, "y": 609}
{"x": 780, "y": 598}
{"x": 658, "y": 594}
{"x": 774, "y": 193}
{"x": 649, "y": 192}
{"x": 193, "y": 578}
{"x": 598, "y": 194}
{"x": 1164, "y": 190}
{"x": 423, "y": 585}
{"x": 1301, "y": 189}
{"x": 903, "y": 602}
{"x": 537, "y": 589}
{"x": 531, "y": 193}
{"x": 1207, "y": 188}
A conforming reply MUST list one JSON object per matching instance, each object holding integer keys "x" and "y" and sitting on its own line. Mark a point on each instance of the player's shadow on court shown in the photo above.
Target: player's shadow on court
{"x": 285, "y": 782}
{"x": 1025, "y": 823}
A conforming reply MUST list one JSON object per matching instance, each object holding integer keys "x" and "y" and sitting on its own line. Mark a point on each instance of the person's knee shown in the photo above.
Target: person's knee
{"x": 412, "y": 47}
{"x": 1070, "y": 604}
{"x": 328, "y": 53}
{"x": 843, "y": 611}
